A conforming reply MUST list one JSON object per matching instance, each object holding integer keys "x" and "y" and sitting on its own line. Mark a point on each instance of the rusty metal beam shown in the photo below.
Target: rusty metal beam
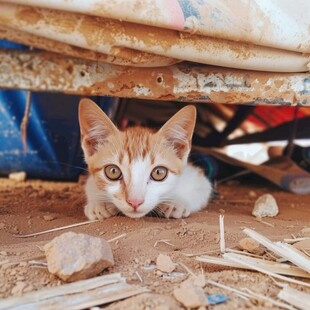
{"x": 117, "y": 38}
{"x": 42, "y": 71}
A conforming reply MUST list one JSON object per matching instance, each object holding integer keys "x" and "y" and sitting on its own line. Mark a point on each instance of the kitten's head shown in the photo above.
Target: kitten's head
{"x": 135, "y": 169}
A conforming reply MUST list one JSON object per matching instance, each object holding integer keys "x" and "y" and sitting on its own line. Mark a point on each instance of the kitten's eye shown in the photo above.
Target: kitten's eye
{"x": 159, "y": 173}
{"x": 112, "y": 172}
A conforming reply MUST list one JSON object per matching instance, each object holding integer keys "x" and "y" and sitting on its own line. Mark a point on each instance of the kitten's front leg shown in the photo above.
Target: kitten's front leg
{"x": 99, "y": 211}
{"x": 170, "y": 210}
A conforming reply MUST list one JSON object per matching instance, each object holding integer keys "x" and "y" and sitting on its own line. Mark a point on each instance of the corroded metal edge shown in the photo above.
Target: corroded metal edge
{"x": 42, "y": 71}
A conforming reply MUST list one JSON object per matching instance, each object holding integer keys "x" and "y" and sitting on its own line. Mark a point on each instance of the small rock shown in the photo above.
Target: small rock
{"x": 4, "y": 253}
{"x": 18, "y": 176}
{"x": 252, "y": 194}
{"x": 265, "y": 205}
{"x": 2, "y": 225}
{"x": 189, "y": 295}
{"x": 251, "y": 245}
{"x": 164, "y": 263}
{"x": 48, "y": 217}
{"x": 74, "y": 256}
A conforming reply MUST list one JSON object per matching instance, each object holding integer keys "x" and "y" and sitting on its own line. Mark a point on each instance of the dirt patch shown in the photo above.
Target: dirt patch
{"x": 34, "y": 206}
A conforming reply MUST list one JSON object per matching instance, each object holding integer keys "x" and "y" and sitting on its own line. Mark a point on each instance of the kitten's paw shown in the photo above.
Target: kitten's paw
{"x": 99, "y": 211}
{"x": 173, "y": 211}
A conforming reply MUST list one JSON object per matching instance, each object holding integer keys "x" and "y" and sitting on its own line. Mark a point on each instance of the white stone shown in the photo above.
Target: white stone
{"x": 164, "y": 263}
{"x": 74, "y": 256}
{"x": 18, "y": 176}
{"x": 251, "y": 245}
{"x": 265, "y": 205}
{"x": 190, "y": 295}
{"x": 48, "y": 217}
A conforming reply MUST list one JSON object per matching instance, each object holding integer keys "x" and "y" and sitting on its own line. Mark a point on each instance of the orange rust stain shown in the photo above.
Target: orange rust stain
{"x": 112, "y": 31}
{"x": 278, "y": 83}
{"x": 28, "y": 15}
{"x": 96, "y": 30}
{"x": 125, "y": 82}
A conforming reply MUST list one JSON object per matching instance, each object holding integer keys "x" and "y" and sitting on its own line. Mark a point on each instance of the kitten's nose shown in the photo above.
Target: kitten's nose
{"x": 135, "y": 203}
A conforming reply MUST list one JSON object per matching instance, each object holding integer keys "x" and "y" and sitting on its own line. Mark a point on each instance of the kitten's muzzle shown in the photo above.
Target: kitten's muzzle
{"x": 135, "y": 203}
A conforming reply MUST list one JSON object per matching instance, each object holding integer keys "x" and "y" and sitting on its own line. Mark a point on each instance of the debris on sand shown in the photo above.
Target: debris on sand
{"x": 190, "y": 295}
{"x": 300, "y": 300}
{"x": 265, "y": 205}
{"x": 82, "y": 294}
{"x": 18, "y": 176}
{"x": 48, "y": 217}
{"x": 164, "y": 263}
{"x": 251, "y": 245}
{"x": 74, "y": 256}
{"x": 147, "y": 301}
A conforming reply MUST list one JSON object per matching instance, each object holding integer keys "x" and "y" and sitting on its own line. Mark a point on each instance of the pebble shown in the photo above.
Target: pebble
{"x": 251, "y": 245}
{"x": 49, "y": 217}
{"x": 252, "y": 194}
{"x": 164, "y": 263}
{"x": 18, "y": 176}
{"x": 265, "y": 205}
{"x": 2, "y": 225}
{"x": 73, "y": 256}
{"x": 190, "y": 295}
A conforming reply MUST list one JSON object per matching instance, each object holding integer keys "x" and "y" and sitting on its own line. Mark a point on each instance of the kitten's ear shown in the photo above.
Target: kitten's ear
{"x": 179, "y": 129}
{"x": 95, "y": 126}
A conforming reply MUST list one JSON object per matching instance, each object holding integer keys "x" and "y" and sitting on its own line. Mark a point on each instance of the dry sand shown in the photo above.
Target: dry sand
{"x": 34, "y": 206}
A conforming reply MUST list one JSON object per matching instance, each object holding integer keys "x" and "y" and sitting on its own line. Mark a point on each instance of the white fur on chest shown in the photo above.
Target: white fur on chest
{"x": 192, "y": 190}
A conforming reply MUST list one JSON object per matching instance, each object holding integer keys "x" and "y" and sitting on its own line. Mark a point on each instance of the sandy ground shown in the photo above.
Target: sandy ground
{"x": 24, "y": 207}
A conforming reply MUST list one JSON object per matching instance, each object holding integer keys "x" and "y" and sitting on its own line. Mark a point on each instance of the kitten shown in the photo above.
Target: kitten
{"x": 137, "y": 171}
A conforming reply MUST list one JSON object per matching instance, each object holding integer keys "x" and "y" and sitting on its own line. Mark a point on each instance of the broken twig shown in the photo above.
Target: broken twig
{"x": 55, "y": 229}
{"x": 222, "y": 234}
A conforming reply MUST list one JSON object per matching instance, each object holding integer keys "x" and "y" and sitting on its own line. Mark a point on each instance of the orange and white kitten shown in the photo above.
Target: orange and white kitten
{"x": 137, "y": 171}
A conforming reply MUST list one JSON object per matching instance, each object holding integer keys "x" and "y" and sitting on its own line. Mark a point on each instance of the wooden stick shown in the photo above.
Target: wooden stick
{"x": 55, "y": 229}
{"x": 66, "y": 289}
{"x": 279, "y": 268}
{"x": 294, "y": 240}
{"x": 246, "y": 262}
{"x": 294, "y": 297}
{"x": 242, "y": 253}
{"x": 222, "y": 234}
{"x": 281, "y": 249}
{"x": 96, "y": 298}
{"x": 117, "y": 238}
{"x": 200, "y": 253}
{"x": 166, "y": 241}
{"x": 250, "y": 295}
